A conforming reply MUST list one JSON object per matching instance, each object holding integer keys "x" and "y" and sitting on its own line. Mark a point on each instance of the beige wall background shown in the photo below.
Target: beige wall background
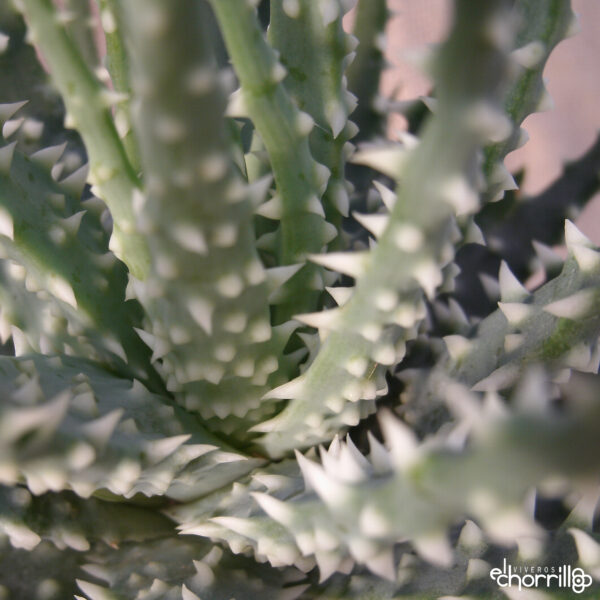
{"x": 573, "y": 79}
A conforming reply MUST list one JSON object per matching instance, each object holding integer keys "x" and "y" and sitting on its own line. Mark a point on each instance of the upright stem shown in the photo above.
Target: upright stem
{"x": 116, "y": 63}
{"x": 365, "y": 71}
{"x": 206, "y": 296}
{"x": 284, "y": 130}
{"x": 440, "y": 178}
{"x": 88, "y": 109}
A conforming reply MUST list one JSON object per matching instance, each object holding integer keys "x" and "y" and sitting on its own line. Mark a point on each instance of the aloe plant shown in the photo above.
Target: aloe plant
{"x": 205, "y": 284}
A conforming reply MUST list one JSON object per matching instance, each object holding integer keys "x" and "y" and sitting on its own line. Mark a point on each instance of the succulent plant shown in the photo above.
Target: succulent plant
{"x": 240, "y": 357}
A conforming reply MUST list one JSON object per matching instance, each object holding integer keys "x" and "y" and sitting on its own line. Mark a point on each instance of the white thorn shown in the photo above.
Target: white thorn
{"x": 407, "y": 237}
{"x": 6, "y": 224}
{"x": 435, "y": 549}
{"x": 138, "y": 201}
{"x": 506, "y": 525}
{"x": 348, "y": 263}
{"x": 20, "y": 341}
{"x": 385, "y": 354}
{"x": 328, "y": 563}
{"x": 322, "y": 174}
{"x": 375, "y": 224}
{"x": 272, "y": 209}
{"x": 458, "y": 346}
{"x": 513, "y": 341}
{"x": 458, "y": 192}
{"x": 429, "y": 276}
{"x": 337, "y": 116}
{"x": 588, "y": 549}
{"x": 331, "y": 491}
{"x": 7, "y": 110}
{"x": 281, "y": 511}
{"x": 457, "y": 313}
{"x": 187, "y": 594}
{"x": 385, "y": 300}
{"x": 314, "y": 206}
{"x": 356, "y": 366}
{"x": 580, "y": 358}
{"x": 389, "y": 160}
{"x": 278, "y": 72}
{"x": 471, "y": 537}
{"x": 62, "y": 289}
{"x": 75, "y": 182}
{"x": 341, "y": 295}
{"x": 287, "y": 391}
{"x": 419, "y": 58}
{"x": 530, "y": 55}
{"x": 330, "y": 10}
{"x": 401, "y": 440}
{"x": 329, "y": 232}
{"x": 379, "y": 457}
{"x": 71, "y": 224}
{"x": 325, "y": 319}
{"x": 158, "y": 450}
{"x": 502, "y": 177}
{"x": 236, "y": 107}
{"x": 304, "y": 123}
{"x": 11, "y": 126}
{"x": 111, "y": 98}
{"x": 574, "y": 237}
{"x": 575, "y": 306}
{"x": 45, "y": 417}
{"x": 348, "y": 149}
{"x": 6, "y": 156}
{"x": 340, "y": 198}
{"x": 190, "y": 238}
{"x": 511, "y": 289}
{"x": 201, "y": 311}
{"x": 474, "y": 234}
{"x": 20, "y": 536}
{"x": 388, "y": 197}
{"x": 291, "y": 8}
{"x": 430, "y": 102}
{"x": 588, "y": 259}
{"x": 49, "y": 156}
{"x": 276, "y": 277}
{"x": 257, "y": 190}
{"x": 32, "y": 129}
{"x": 515, "y": 312}
{"x": 94, "y": 591}
{"x": 383, "y": 565}
{"x": 99, "y": 430}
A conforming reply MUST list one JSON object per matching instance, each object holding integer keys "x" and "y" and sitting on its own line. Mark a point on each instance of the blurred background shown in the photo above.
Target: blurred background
{"x": 573, "y": 79}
